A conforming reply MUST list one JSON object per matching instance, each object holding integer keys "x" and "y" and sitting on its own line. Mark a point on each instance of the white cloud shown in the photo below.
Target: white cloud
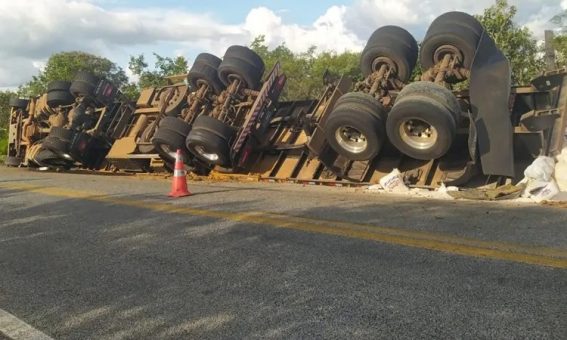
{"x": 34, "y": 29}
{"x": 328, "y": 32}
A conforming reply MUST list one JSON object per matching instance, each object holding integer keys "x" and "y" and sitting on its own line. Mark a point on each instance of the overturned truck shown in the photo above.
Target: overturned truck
{"x": 461, "y": 123}
{"x": 434, "y": 133}
{"x": 73, "y": 124}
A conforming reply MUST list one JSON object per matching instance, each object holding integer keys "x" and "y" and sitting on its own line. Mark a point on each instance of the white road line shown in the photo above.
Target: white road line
{"x": 16, "y": 329}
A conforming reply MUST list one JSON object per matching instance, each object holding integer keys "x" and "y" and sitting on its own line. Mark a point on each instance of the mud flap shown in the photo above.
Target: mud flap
{"x": 490, "y": 92}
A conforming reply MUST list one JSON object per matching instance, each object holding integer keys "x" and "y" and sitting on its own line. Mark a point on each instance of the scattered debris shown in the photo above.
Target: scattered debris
{"x": 505, "y": 192}
{"x": 394, "y": 182}
{"x": 560, "y": 173}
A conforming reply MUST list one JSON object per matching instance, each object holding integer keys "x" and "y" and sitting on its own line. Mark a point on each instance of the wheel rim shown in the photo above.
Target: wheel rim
{"x": 167, "y": 149}
{"x": 213, "y": 157}
{"x": 351, "y": 139}
{"x": 418, "y": 134}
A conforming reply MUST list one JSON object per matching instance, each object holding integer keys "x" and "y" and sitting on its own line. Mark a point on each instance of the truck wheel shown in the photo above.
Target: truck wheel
{"x": 58, "y": 85}
{"x": 13, "y": 161}
{"x": 18, "y": 103}
{"x": 421, "y": 126}
{"x": 56, "y": 145}
{"x": 58, "y": 93}
{"x": 170, "y": 136}
{"x": 146, "y": 137}
{"x": 61, "y": 133}
{"x": 58, "y": 140}
{"x": 455, "y": 33}
{"x": 210, "y": 139}
{"x": 363, "y": 99}
{"x": 84, "y": 84}
{"x": 390, "y": 43}
{"x": 461, "y": 18}
{"x": 241, "y": 63}
{"x": 48, "y": 158}
{"x": 205, "y": 71}
{"x": 355, "y": 129}
{"x": 439, "y": 93}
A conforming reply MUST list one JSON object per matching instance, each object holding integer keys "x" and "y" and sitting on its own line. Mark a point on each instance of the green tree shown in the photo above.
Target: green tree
{"x": 4, "y": 116}
{"x": 163, "y": 68}
{"x": 64, "y": 66}
{"x": 560, "y": 40}
{"x": 515, "y": 41}
{"x": 4, "y": 108}
{"x": 305, "y": 71}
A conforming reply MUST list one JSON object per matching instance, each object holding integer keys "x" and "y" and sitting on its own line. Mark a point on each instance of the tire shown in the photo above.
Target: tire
{"x": 56, "y": 145}
{"x": 59, "y": 140}
{"x": 394, "y": 43}
{"x": 169, "y": 137}
{"x": 13, "y": 161}
{"x": 410, "y": 116}
{"x": 241, "y": 63}
{"x": 18, "y": 103}
{"x": 370, "y": 104}
{"x": 209, "y": 141}
{"x": 175, "y": 124}
{"x": 48, "y": 158}
{"x": 214, "y": 125}
{"x": 61, "y": 133}
{"x": 84, "y": 84}
{"x": 146, "y": 137}
{"x": 177, "y": 102}
{"x": 57, "y": 98}
{"x": 58, "y": 85}
{"x": 439, "y": 93}
{"x": 456, "y": 29}
{"x": 205, "y": 70}
{"x": 356, "y": 116}
{"x": 461, "y": 18}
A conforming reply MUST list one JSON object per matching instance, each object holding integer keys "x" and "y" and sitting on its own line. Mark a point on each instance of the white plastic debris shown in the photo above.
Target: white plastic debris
{"x": 561, "y": 170}
{"x": 539, "y": 180}
{"x": 393, "y": 182}
{"x": 374, "y": 187}
{"x": 541, "y": 169}
{"x": 444, "y": 188}
{"x": 545, "y": 193}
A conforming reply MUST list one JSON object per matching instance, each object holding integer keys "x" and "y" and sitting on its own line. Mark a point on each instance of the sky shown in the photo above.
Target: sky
{"x": 32, "y": 30}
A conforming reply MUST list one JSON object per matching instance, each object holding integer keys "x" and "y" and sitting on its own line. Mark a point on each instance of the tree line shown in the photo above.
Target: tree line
{"x": 304, "y": 70}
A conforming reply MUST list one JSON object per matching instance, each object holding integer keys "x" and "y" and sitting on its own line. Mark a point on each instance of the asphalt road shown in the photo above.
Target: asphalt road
{"x": 89, "y": 256}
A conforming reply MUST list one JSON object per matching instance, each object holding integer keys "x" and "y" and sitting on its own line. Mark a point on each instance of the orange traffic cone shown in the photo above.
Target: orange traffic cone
{"x": 179, "y": 185}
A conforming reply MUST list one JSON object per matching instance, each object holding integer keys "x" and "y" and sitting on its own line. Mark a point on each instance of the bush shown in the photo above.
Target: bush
{"x": 3, "y": 143}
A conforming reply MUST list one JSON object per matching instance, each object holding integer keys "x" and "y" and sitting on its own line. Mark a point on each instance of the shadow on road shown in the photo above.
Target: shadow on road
{"x": 84, "y": 269}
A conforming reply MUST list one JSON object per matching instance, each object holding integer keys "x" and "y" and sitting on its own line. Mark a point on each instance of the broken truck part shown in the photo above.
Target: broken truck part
{"x": 172, "y": 131}
{"x": 133, "y": 150}
{"x": 97, "y": 116}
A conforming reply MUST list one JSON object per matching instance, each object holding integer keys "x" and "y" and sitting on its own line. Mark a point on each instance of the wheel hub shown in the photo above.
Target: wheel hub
{"x": 418, "y": 134}
{"x": 351, "y": 139}
{"x": 441, "y": 51}
{"x": 169, "y": 150}
{"x": 213, "y": 157}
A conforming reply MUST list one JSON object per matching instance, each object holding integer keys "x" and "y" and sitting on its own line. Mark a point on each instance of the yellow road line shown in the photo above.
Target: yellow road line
{"x": 535, "y": 255}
